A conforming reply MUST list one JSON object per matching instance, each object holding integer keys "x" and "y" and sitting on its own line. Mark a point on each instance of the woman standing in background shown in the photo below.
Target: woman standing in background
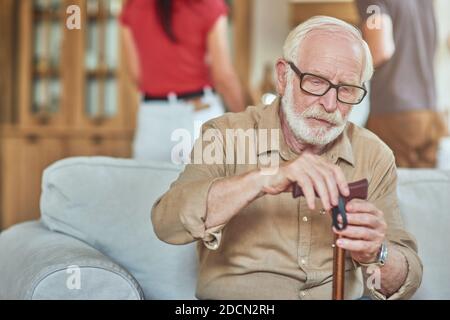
{"x": 177, "y": 53}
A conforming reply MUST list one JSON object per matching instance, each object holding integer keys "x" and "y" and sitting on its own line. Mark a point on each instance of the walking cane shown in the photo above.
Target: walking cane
{"x": 358, "y": 190}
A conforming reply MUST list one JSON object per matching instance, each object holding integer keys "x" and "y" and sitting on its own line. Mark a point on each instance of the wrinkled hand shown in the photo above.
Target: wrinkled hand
{"x": 365, "y": 232}
{"x": 311, "y": 173}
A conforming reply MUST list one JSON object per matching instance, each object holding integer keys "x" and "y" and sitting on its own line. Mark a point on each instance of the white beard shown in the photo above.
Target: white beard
{"x": 319, "y": 136}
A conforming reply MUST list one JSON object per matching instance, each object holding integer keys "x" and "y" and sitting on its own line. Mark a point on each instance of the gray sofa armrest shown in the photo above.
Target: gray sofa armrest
{"x": 36, "y": 263}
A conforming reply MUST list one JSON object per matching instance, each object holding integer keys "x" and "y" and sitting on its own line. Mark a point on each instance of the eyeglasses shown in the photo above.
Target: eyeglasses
{"x": 319, "y": 86}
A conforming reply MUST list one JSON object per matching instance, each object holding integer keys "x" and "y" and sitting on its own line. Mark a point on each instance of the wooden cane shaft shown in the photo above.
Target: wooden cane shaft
{"x": 358, "y": 190}
{"x": 338, "y": 272}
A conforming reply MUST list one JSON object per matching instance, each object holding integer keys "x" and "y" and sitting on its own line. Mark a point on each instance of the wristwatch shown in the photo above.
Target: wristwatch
{"x": 381, "y": 259}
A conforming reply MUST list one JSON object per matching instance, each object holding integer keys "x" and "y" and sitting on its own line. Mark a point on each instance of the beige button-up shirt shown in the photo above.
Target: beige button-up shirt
{"x": 276, "y": 247}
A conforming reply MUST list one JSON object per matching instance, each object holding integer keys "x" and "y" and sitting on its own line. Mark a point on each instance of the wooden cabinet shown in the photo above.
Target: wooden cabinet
{"x": 72, "y": 77}
{"x": 302, "y": 10}
{"x": 25, "y": 154}
{"x": 114, "y": 144}
{"x": 72, "y": 95}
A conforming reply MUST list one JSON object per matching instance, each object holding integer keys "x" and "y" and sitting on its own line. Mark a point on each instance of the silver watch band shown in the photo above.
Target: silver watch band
{"x": 382, "y": 257}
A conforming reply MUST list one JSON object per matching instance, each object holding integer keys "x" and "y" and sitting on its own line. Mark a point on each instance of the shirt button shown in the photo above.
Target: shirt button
{"x": 303, "y": 261}
{"x": 305, "y": 219}
{"x": 303, "y": 293}
{"x": 322, "y": 211}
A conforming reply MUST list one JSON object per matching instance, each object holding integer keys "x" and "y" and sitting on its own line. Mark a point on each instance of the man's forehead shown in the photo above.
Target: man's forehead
{"x": 327, "y": 42}
{"x": 325, "y": 53}
{"x": 326, "y": 71}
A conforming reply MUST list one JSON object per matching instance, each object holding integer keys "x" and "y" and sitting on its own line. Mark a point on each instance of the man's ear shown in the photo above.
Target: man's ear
{"x": 281, "y": 76}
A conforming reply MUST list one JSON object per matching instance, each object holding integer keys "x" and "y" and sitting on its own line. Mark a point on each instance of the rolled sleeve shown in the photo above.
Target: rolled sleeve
{"x": 212, "y": 237}
{"x": 412, "y": 281}
{"x": 178, "y": 217}
{"x": 194, "y": 219}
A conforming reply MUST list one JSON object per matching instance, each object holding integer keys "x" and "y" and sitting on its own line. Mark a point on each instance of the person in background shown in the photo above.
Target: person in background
{"x": 402, "y": 38}
{"x": 177, "y": 53}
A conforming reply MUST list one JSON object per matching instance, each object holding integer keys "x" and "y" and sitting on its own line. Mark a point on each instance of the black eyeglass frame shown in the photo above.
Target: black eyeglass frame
{"x": 301, "y": 75}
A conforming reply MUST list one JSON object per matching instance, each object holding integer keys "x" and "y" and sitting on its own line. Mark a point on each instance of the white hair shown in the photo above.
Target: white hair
{"x": 296, "y": 36}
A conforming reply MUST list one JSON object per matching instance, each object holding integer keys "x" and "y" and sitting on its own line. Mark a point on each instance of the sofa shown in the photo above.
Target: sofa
{"x": 95, "y": 240}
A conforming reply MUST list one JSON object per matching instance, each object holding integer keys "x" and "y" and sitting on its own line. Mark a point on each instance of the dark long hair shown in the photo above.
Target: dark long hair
{"x": 164, "y": 9}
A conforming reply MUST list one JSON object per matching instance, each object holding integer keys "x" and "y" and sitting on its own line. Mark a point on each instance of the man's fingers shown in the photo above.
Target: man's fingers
{"x": 359, "y": 233}
{"x": 362, "y": 219}
{"x": 340, "y": 180}
{"x": 358, "y": 205}
{"x": 321, "y": 188}
{"x": 328, "y": 180}
{"x": 332, "y": 187}
{"x": 357, "y": 245}
{"x": 306, "y": 184}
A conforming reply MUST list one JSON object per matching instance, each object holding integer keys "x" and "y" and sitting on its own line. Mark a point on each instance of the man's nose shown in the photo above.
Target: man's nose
{"x": 329, "y": 100}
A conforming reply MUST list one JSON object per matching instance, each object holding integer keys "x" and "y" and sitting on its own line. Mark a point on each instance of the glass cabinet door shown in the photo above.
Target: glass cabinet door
{"x": 101, "y": 58}
{"x": 47, "y": 33}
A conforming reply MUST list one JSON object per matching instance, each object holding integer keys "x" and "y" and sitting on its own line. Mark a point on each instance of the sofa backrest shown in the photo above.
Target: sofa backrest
{"x": 106, "y": 202}
{"x": 424, "y": 199}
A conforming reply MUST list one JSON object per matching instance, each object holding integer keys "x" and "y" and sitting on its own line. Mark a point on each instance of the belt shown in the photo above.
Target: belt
{"x": 181, "y": 96}
{"x": 193, "y": 98}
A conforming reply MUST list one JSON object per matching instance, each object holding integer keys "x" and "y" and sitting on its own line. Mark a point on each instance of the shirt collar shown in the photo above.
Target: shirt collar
{"x": 270, "y": 119}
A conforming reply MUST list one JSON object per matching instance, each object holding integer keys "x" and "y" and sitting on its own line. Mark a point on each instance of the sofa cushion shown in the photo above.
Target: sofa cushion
{"x": 36, "y": 263}
{"x": 106, "y": 202}
{"x": 425, "y": 205}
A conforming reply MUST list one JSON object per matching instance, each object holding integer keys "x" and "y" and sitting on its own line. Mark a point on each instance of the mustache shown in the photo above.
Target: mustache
{"x": 317, "y": 112}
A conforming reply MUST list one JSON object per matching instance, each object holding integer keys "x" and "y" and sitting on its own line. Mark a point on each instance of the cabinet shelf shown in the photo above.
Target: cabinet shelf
{"x": 47, "y": 15}
{"x": 101, "y": 73}
{"x": 47, "y": 73}
{"x": 100, "y": 16}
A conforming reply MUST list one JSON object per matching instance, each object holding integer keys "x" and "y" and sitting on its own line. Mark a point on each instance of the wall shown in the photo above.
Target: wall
{"x": 270, "y": 28}
{"x": 443, "y": 54}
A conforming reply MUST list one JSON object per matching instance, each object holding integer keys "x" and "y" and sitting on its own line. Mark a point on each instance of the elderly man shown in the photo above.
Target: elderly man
{"x": 255, "y": 241}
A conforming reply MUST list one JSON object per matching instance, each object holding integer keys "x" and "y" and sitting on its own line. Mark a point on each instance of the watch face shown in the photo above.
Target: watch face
{"x": 383, "y": 254}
